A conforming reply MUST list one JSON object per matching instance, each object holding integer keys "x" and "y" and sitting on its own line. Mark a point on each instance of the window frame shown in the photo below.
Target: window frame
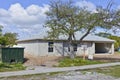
{"x": 50, "y": 46}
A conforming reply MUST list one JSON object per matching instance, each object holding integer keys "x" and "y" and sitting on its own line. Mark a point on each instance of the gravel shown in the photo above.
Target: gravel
{"x": 77, "y": 75}
{"x": 71, "y": 75}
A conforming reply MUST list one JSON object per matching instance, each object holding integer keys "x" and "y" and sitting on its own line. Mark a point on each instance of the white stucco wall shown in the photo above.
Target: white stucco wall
{"x": 30, "y": 47}
{"x": 58, "y": 48}
{"x": 89, "y": 50}
{"x": 112, "y": 48}
{"x": 40, "y": 48}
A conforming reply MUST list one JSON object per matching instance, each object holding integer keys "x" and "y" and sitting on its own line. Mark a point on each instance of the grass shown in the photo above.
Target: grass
{"x": 11, "y": 67}
{"x": 41, "y": 76}
{"x": 112, "y": 71}
{"x": 66, "y": 62}
{"x": 118, "y": 52}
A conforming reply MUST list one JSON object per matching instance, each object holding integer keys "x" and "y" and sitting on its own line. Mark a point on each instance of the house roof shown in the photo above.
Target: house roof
{"x": 89, "y": 37}
{"x": 95, "y": 38}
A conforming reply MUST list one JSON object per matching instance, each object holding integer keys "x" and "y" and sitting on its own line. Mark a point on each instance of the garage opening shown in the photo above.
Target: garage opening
{"x": 102, "y": 48}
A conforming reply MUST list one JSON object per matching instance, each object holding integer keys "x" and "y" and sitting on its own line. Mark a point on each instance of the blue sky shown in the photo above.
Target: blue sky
{"x": 25, "y": 3}
{"x": 26, "y": 17}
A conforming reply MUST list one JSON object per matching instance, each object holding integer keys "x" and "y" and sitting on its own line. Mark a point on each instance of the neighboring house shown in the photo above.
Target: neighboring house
{"x": 93, "y": 45}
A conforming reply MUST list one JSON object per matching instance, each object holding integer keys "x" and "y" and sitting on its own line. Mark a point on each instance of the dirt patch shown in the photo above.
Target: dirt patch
{"x": 49, "y": 61}
{"x": 108, "y": 58}
{"x": 31, "y": 60}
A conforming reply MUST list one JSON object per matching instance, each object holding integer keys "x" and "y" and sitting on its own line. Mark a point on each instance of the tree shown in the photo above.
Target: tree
{"x": 3, "y": 41}
{"x": 7, "y": 39}
{"x": 10, "y": 38}
{"x": 65, "y": 18}
{"x": 1, "y": 30}
{"x": 117, "y": 41}
{"x": 102, "y": 34}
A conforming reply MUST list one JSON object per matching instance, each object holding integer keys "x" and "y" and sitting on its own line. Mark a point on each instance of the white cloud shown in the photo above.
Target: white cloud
{"x": 87, "y": 5}
{"x": 4, "y": 13}
{"x": 29, "y": 21}
{"x": 25, "y": 20}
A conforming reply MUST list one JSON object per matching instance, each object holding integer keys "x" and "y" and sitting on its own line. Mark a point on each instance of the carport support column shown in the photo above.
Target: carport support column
{"x": 93, "y": 47}
{"x": 112, "y": 48}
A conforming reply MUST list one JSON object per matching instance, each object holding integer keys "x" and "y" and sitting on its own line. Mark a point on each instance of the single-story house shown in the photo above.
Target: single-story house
{"x": 91, "y": 44}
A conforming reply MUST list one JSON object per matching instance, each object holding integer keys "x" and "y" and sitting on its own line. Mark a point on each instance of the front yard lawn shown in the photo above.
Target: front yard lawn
{"x": 67, "y": 62}
{"x": 11, "y": 67}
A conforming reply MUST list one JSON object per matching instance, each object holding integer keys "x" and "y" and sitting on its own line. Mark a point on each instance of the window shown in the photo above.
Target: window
{"x": 50, "y": 46}
{"x": 75, "y": 47}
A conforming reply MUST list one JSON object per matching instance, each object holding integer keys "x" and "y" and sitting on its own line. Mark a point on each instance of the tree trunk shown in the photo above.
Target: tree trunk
{"x": 71, "y": 47}
{"x": 81, "y": 40}
{"x": 71, "y": 51}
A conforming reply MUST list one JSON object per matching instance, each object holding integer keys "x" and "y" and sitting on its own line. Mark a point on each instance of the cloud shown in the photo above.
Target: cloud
{"x": 23, "y": 20}
{"x": 87, "y": 5}
{"x": 29, "y": 21}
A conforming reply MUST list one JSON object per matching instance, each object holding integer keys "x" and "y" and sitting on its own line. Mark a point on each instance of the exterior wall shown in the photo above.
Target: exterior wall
{"x": 30, "y": 47}
{"x": 40, "y": 48}
{"x": 112, "y": 48}
{"x": 65, "y": 49}
{"x": 89, "y": 50}
{"x": 58, "y": 49}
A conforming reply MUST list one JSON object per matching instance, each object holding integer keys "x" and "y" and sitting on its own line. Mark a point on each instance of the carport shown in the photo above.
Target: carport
{"x": 100, "y": 45}
{"x": 103, "y": 48}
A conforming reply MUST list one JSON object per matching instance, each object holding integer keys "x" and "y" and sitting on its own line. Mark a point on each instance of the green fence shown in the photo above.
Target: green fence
{"x": 10, "y": 55}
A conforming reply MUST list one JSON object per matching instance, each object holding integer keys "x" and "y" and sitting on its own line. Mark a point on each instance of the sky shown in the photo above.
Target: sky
{"x": 27, "y": 17}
